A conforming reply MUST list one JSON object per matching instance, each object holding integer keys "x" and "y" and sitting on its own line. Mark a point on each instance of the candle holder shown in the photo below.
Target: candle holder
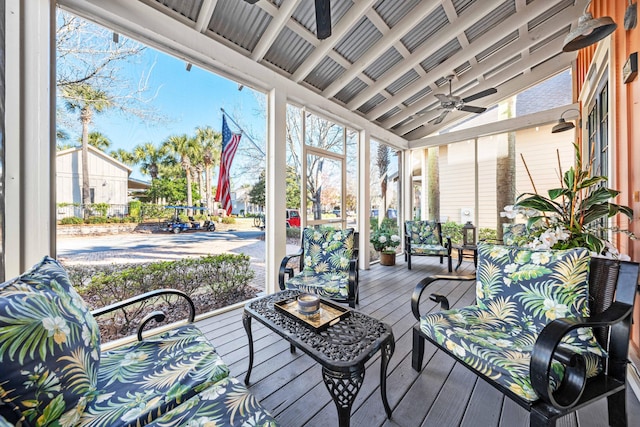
{"x": 308, "y": 304}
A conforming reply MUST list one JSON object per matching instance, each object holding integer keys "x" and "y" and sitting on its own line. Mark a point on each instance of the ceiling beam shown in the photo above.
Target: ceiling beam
{"x": 505, "y": 91}
{"x": 446, "y": 34}
{"x": 205, "y": 14}
{"x": 351, "y": 18}
{"x": 521, "y": 66}
{"x": 508, "y": 125}
{"x": 276, "y": 25}
{"x": 413, "y": 18}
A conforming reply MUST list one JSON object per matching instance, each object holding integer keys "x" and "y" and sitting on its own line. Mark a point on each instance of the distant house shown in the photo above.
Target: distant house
{"x": 108, "y": 180}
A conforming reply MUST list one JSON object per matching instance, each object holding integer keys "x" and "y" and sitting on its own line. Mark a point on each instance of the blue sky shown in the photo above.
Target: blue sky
{"x": 186, "y": 100}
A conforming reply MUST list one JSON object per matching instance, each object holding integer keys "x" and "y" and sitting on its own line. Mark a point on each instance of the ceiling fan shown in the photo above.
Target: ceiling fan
{"x": 451, "y": 102}
{"x": 323, "y": 17}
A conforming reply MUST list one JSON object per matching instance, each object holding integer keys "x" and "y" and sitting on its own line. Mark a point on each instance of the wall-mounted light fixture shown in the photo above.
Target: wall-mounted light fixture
{"x": 588, "y": 31}
{"x": 562, "y": 124}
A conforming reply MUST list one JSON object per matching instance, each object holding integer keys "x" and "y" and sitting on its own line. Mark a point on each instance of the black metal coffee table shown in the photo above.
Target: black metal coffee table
{"x": 342, "y": 349}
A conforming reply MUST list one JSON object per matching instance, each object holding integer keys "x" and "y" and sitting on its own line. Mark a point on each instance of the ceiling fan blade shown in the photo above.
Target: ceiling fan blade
{"x": 323, "y": 18}
{"x": 441, "y": 97}
{"x": 472, "y": 109}
{"x": 440, "y": 118}
{"x": 481, "y": 94}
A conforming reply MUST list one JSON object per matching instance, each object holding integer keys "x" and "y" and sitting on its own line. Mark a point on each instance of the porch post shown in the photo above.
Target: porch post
{"x": 275, "y": 230}
{"x": 364, "y": 197}
{"x": 424, "y": 188}
{"x": 29, "y": 202}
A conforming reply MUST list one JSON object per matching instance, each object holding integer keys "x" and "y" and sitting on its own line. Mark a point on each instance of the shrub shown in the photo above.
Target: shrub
{"x": 135, "y": 209}
{"x": 229, "y": 220}
{"x": 96, "y": 220}
{"x": 293, "y": 233}
{"x": 211, "y": 281}
{"x": 100, "y": 208}
{"x": 71, "y": 220}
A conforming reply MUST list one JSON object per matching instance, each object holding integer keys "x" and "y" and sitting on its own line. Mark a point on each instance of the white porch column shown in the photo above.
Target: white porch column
{"x": 364, "y": 197}
{"x": 29, "y": 167}
{"x": 407, "y": 189}
{"x": 424, "y": 212}
{"x": 275, "y": 231}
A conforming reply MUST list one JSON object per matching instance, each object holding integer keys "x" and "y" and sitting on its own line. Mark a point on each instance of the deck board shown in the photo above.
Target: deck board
{"x": 444, "y": 393}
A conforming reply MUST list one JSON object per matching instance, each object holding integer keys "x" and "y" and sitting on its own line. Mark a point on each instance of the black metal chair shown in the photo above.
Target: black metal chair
{"x": 424, "y": 238}
{"x": 328, "y": 265}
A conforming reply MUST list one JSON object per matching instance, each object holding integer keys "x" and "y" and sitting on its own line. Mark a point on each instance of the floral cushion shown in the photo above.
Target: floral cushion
{"x": 429, "y": 250}
{"x": 511, "y": 233}
{"x": 519, "y": 291}
{"x": 327, "y": 250}
{"x": 493, "y": 342}
{"x": 423, "y": 233}
{"x": 329, "y": 285}
{"x": 49, "y": 345}
{"x": 139, "y": 381}
{"x": 227, "y": 403}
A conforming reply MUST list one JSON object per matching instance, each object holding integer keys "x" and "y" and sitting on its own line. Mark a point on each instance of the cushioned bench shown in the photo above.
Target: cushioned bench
{"x": 537, "y": 331}
{"x": 54, "y": 372}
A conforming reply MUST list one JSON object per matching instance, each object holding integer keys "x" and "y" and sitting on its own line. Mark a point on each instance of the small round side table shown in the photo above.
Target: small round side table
{"x": 472, "y": 252}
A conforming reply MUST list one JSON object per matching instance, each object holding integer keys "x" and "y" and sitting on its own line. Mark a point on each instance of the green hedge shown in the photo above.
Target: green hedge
{"x": 212, "y": 281}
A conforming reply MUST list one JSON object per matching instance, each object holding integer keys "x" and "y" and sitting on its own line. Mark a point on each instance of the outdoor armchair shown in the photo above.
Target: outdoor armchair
{"x": 424, "y": 238}
{"x": 549, "y": 329}
{"x": 328, "y": 265}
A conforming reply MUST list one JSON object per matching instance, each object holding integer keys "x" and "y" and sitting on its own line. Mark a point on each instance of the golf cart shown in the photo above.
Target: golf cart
{"x": 177, "y": 225}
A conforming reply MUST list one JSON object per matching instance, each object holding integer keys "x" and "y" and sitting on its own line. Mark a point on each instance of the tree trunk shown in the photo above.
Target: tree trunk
{"x": 208, "y": 195}
{"x": 433, "y": 174}
{"x": 505, "y": 180}
{"x": 85, "y": 118}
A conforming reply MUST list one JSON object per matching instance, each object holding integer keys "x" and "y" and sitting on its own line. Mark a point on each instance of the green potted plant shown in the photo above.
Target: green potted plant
{"x": 573, "y": 215}
{"x": 385, "y": 242}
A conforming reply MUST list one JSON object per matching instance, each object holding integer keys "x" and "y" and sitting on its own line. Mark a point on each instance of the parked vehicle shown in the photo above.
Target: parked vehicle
{"x": 293, "y": 218}
{"x": 177, "y": 225}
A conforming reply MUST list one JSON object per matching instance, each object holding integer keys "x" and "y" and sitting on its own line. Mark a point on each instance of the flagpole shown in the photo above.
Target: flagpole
{"x": 242, "y": 131}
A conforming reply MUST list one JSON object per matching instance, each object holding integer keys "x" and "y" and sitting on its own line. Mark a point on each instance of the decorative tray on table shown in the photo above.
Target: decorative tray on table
{"x": 328, "y": 314}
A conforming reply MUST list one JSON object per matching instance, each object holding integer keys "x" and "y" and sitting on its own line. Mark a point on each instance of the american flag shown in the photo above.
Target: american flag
{"x": 230, "y": 143}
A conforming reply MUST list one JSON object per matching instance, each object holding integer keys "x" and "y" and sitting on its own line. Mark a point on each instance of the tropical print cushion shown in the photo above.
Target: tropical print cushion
{"x": 423, "y": 233}
{"x": 511, "y": 233}
{"x": 49, "y": 346}
{"x": 500, "y": 348}
{"x": 417, "y": 249}
{"x": 327, "y": 250}
{"x": 227, "y": 403}
{"x": 518, "y": 291}
{"x": 330, "y": 285}
{"x": 140, "y": 381}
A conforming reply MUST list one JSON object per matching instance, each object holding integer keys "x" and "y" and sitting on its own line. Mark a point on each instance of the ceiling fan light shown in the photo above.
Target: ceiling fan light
{"x": 588, "y": 31}
{"x": 562, "y": 126}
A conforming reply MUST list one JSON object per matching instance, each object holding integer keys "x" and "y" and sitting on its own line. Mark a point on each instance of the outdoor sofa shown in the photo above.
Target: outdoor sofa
{"x": 54, "y": 373}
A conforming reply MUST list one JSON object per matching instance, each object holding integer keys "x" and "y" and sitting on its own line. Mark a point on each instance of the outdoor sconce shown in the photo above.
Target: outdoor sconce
{"x": 468, "y": 234}
{"x": 588, "y": 31}
{"x": 563, "y": 125}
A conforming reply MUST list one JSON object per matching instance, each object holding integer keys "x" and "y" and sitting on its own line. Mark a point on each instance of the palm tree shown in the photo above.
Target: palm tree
{"x": 87, "y": 100}
{"x": 123, "y": 156}
{"x": 98, "y": 140}
{"x": 211, "y": 143}
{"x": 150, "y": 157}
{"x": 182, "y": 147}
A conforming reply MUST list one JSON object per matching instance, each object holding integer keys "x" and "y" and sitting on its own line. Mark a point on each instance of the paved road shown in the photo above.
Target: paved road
{"x": 145, "y": 247}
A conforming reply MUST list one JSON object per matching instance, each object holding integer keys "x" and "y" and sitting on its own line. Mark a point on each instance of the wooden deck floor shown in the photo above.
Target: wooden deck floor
{"x": 442, "y": 394}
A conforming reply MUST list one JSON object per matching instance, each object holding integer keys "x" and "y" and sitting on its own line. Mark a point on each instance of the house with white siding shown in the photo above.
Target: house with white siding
{"x": 108, "y": 179}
